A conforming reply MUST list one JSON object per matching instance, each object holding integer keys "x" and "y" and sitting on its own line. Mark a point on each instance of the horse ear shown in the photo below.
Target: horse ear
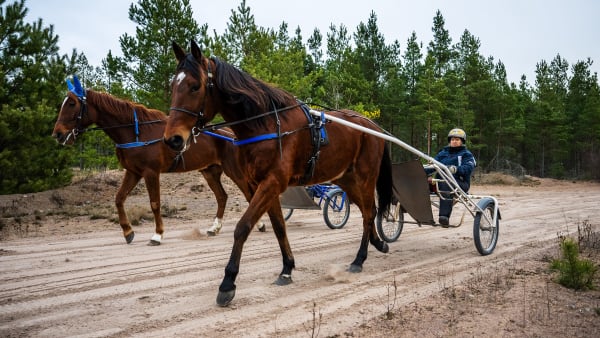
{"x": 179, "y": 52}
{"x": 196, "y": 52}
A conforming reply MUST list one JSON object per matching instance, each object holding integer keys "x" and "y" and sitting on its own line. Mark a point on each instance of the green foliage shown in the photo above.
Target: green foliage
{"x": 418, "y": 94}
{"x": 148, "y": 55}
{"x": 25, "y": 142}
{"x": 574, "y": 273}
{"x": 30, "y": 94}
{"x": 96, "y": 151}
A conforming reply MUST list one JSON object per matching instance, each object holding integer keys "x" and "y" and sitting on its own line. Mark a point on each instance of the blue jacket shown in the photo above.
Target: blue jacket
{"x": 461, "y": 158}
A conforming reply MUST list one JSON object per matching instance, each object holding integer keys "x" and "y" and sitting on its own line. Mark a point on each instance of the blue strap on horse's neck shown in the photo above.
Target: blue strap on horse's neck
{"x": 137, "y": 143}
{"x": 236, "y": 142}
{"x": 137, "y": 125}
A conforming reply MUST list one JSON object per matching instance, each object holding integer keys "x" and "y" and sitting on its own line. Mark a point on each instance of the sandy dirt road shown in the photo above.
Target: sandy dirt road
{"x": 91, "y": 284}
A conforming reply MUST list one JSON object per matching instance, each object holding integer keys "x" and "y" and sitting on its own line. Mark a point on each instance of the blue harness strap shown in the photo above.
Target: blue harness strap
{"x": 137, "y": 142}
{"x": 254, "y": 139}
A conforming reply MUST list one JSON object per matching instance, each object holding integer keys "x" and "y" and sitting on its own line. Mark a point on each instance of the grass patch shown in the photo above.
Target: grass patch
{"x": 573, "y": 272}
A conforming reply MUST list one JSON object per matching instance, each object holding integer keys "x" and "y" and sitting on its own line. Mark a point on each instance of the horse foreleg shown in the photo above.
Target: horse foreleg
{"x": 153, "y": 187}
{"x": 261, "y": 200}
{"x": 212, "y": 175}
{"x": 129, "y": 181}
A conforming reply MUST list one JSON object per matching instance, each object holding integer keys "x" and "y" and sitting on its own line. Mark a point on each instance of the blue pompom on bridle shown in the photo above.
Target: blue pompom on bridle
{"x": 76, "y": 87}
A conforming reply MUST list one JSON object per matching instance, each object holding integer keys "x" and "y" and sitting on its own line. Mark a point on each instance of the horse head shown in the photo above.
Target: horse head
{"x": 72, "y": 117}
{"x": 192, "y": 104}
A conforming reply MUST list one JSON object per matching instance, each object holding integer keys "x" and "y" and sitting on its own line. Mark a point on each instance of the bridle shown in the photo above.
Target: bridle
{"x": 200, "y": 121}
{"x": 78, "y": 129}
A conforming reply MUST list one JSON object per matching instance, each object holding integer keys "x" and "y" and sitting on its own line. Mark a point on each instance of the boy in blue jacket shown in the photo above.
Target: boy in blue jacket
{"x": 461, "y": 163}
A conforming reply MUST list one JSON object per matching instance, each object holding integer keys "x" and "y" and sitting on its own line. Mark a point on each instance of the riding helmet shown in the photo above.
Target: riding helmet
{"x": 457, "y": 132}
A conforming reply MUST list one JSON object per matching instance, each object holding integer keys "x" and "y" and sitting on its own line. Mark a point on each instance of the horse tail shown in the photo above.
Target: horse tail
{"x": 384, "y": 181}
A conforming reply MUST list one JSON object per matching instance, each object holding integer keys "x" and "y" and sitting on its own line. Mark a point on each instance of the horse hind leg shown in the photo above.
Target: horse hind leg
{"x": 375, "y": 240}
{"x": 276, "y": 217}
{"x": 129, "y": 181}
{"x": 369, "y": 236}
{"x": 212, "y": 176}
{"x": 153, "y": 187}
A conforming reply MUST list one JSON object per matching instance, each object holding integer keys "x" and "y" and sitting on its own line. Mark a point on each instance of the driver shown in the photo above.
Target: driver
{"x": 461, "y": 163}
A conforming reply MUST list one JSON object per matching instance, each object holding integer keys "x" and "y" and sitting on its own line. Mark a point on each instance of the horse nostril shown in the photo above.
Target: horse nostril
{"x": 175, "y": 142}
{"x": 57, "y": 135}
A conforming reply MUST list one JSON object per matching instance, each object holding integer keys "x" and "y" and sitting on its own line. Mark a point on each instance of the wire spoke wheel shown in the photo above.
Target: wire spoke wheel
{"x": 485, "y": 234}
{"x": 391, "y": 224}
{"x": 336, "y": 210}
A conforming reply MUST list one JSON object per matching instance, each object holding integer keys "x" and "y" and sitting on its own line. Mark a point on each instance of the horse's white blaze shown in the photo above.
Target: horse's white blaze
{"x": 156, "y": 238}
{"x": 180, "y": 78}
{"x": 63, "y": 104}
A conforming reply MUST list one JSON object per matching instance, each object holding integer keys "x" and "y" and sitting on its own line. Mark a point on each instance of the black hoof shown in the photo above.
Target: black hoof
{"x": 129, "y": 238}
{"x": 211, "y": 233}
{"x": 384, "y": 248}
{"x": 153, "y": 243}
{"x": 284, "y": 280}
{"x": 354, "y": 268}
{"x": 225, "y": 297}
{"x": 262, "y": 228}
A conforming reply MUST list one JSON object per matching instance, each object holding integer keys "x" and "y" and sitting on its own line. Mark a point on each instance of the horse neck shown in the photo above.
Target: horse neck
{"x": 104, "y": 115}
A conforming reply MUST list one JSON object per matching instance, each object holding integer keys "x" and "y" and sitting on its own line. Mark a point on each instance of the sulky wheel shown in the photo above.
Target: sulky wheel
{"x": 287, "y": 213}
{"x": 390, "y": 227}
{"x": 485, "y": 234}
{"x": 336, "y": 210}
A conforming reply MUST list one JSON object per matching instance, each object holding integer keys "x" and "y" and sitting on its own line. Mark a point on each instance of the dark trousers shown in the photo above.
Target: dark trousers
{"x": 447, "y": 202}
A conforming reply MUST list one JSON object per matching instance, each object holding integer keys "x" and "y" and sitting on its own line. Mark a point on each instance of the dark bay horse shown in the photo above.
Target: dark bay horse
{"x": 282, "y": 146}
{"x": 137, "y": 133}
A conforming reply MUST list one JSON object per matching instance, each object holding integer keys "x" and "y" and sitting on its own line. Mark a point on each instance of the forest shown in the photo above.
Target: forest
{"x": 548, "y": 126}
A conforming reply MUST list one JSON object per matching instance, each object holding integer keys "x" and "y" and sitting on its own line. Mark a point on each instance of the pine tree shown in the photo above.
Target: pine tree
{"x": 583, "y": 113}
{"x": 32, "y": 74}
{"x": 149, "y": 55}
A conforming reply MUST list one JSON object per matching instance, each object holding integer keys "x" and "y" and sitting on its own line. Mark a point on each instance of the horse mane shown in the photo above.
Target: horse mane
{"x": 124, "y": 108}
{"x": 248, "y": 94}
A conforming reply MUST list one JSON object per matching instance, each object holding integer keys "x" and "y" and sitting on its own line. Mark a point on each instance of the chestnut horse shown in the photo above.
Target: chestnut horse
{"x": 137, "y": 132}
{"x": 283, "y": 145}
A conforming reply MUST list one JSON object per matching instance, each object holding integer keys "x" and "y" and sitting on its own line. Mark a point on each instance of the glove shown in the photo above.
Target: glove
{"x": 452, "y": 169}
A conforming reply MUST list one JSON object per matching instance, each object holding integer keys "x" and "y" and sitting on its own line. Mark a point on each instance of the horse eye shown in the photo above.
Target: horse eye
{"x": 195, "y": 88}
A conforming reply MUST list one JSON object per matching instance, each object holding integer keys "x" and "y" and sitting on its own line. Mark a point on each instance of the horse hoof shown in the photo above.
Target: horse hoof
{"x": 284, "y": 280}
{"x": 211, "y": 233}
{"x": 354, "y": 268}
{"x": 385, "y": 248}
{"x": 262, "y": 227}
{"x": 153, "y": 243}
{"x": 225, "y": 297}
{"x": 129, "y": 238}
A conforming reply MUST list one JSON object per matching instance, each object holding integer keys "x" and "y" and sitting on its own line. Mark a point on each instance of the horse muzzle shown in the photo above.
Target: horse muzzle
{"x": 62, "y": 138}
{"x": 175, "y": 142}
